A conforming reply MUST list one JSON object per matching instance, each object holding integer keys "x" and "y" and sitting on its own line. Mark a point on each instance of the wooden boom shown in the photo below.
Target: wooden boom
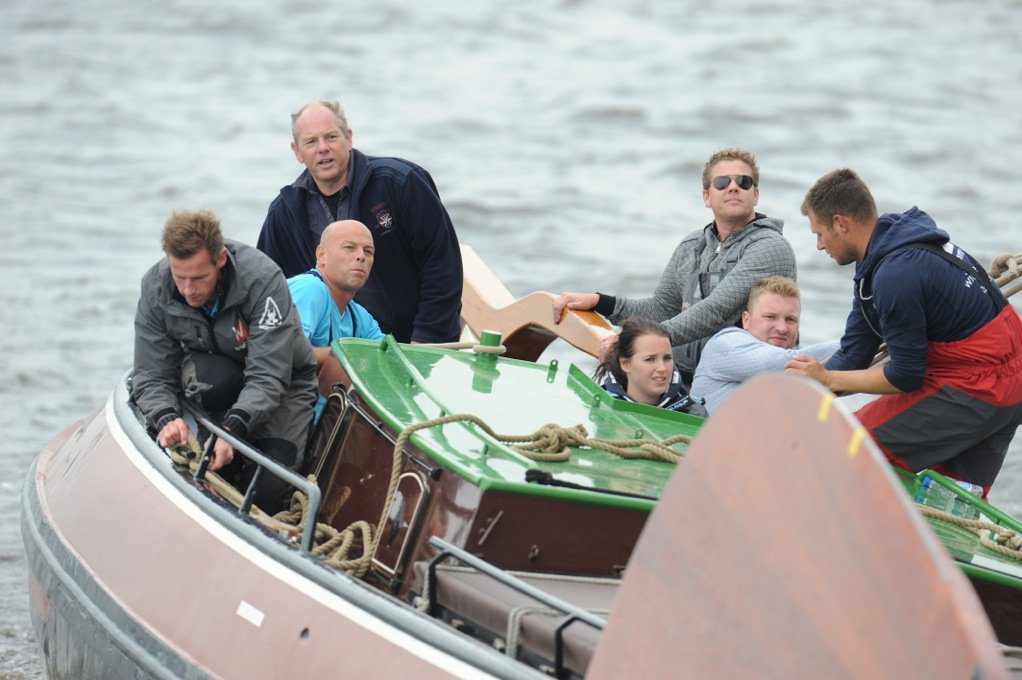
{"x": 526, "y": 324}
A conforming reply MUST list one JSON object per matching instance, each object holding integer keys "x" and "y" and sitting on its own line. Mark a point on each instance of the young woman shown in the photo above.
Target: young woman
{"x": 640, "y": 368}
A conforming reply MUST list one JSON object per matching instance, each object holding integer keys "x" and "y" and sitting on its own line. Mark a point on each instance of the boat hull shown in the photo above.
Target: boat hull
{"x": 83, "y": 633}
{"x": 110, "y": 531}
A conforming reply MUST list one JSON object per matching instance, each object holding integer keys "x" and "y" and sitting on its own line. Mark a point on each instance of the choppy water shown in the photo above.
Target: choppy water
{"x": 566, "y": 138}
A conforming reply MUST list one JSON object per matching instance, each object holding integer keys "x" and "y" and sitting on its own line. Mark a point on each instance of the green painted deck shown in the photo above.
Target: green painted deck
{"x": 408, "y": 384}
{"x": 975, "y": 559}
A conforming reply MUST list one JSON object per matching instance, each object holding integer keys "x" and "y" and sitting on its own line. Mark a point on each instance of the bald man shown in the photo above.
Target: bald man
{"x": 323, "y": 296}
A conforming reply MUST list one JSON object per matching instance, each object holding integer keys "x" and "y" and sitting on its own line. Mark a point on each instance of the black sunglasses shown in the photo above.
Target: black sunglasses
{"x": 744, "y": 182}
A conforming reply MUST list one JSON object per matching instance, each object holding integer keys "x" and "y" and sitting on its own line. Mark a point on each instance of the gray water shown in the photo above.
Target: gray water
{"x": 566, "y": 138}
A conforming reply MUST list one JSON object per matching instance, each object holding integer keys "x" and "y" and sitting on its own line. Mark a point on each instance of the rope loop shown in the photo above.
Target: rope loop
{"x": 995, "y": 537}
{"x": 352, "y": 548}
{"x": 1005, "y": 268}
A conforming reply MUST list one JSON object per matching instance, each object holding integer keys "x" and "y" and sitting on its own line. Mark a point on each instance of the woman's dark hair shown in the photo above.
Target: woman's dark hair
{"x": 632, "y": 329}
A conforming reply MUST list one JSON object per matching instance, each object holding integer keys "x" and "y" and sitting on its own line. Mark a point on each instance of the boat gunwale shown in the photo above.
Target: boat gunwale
{"x": 78, "y": 586}
{"x": 369, "y": 601}
{"x": 442, "y": 457}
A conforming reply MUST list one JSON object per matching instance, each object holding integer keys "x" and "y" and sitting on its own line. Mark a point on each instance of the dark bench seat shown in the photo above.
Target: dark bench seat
{"x": 515, "y": 622}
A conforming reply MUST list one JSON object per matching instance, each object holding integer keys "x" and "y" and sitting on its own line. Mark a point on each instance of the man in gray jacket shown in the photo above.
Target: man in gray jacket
{"x": 215, "y": 324}
{"x": 707, "y": 280}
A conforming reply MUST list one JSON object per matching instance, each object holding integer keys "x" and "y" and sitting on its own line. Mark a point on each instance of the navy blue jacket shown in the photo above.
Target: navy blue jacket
{"x": 676, "y": 398}
{"x": 414, "y": 289}
{"x": 909, "y": 297}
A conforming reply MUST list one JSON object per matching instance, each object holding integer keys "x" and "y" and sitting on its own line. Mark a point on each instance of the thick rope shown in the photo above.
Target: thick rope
{"x": 1005, "y": 268}
{"x": 188, "y": 454}
{"x": 549, "y": 443}
{"x": 514, "y": 623}
{"x": 1001, "y": 540}
{"x": 334, "y": 546}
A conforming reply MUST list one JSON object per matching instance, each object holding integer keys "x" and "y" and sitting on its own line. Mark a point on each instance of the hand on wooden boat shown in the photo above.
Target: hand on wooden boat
{"x": 607, "y": 344}
{"x": 223, "y": 454}
{"x": 173, "y": 433}
{"x": 580, "y": 301}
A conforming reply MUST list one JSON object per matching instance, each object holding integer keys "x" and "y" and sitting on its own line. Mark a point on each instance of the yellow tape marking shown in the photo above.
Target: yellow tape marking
{"x": 855, "y": 441}
{"x": 824, "y": 411}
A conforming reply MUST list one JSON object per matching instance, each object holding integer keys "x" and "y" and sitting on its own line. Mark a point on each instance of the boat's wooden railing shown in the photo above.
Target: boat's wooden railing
{"x": 526, "y": 324}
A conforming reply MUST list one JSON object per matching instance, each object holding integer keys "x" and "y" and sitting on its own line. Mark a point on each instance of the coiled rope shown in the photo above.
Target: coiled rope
{"x": 551, "y": 442}
{"x": 189, "y": 453}
{"x": 995, "y": 537}
{"x": 1005, "y": 268}
{"x": 548, "y": 443}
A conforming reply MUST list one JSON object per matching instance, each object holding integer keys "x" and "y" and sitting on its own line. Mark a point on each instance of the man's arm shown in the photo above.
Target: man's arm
{"x": 156, "y": 376}
{"x": 270, "y": 353}
{"x": 865, "y": 381}
{"x": 899, "y": 293}
{"x": 437, "y": 255}
{"x": 737, "y": 355}
{"x": 285, "y": 238}
{"x": 765, "y": 257}
{"x": 859, "y": 343}
{"x": 669, "y": 295}
{"x": 313, "y": 304}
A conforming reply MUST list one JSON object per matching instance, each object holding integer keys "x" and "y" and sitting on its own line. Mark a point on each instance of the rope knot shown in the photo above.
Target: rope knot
{"x": 552, "y": 438}
{"x": 1005, "y": 267}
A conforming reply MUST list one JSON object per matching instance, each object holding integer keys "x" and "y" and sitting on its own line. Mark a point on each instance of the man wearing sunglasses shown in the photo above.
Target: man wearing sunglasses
{"x": 706, "y": 283}
{"x": 952, "y": 391}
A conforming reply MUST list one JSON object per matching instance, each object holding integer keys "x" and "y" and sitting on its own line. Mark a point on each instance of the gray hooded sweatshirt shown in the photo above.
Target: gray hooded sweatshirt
{"x": 706, "y": 283}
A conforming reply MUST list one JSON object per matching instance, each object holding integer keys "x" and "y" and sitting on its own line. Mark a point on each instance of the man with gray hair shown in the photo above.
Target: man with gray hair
{"x": 215, "y": 326}
{"x": 707, "y": 280}
{"x": 414, "y": 291}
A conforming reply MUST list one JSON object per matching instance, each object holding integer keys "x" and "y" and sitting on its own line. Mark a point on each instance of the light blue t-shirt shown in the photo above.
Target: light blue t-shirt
{"x": 321, "y": 320}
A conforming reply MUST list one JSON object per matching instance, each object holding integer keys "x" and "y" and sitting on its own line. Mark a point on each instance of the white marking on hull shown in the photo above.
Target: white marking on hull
{"x": 250, "y": 614}
{"x": 257, "y": 558}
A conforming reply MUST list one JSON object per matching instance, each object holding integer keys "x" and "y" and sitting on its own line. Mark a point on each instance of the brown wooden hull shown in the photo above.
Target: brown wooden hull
{"x": 137, "y": 572}
{"x": 788, "y": 549}
{"x": 131, "y": 577}
{"x": 508, "y": 530}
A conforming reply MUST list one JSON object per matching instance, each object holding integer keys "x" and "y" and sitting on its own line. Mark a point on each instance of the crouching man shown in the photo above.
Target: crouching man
{"x": 215, "y": 325}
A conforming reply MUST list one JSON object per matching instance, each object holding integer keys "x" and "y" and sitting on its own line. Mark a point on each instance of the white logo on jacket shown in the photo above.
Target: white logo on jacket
{"x": 271, "y": 317}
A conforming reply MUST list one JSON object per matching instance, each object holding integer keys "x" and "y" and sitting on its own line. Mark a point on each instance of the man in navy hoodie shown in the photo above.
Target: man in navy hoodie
{"x": 414, "y": 290}
{"x": 952, "y": 391}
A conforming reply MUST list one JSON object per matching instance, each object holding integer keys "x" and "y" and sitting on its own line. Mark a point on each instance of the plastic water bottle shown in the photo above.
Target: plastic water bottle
{"x": 938, "y": 496}
{"x": 935, "y": 495}
{"x": 963, "y": 508}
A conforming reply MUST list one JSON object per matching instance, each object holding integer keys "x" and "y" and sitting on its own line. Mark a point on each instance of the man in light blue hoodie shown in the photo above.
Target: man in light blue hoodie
{"x": 764, "y": 344}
